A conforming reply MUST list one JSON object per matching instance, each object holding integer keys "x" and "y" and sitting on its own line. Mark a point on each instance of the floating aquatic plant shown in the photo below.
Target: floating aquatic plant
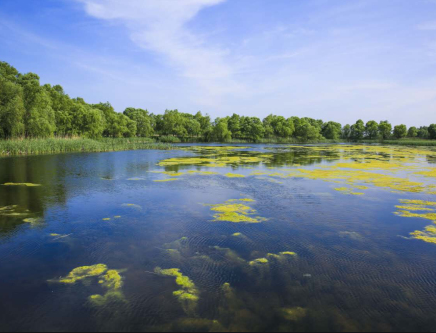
{"x": 234, "y": 175}
{"x": 110, "y": 280}
{"x": 22, "y": 184}
{"x": 260, "y": 261}
{"x": 410, "y": 210}
{"x": 231, "y": 211}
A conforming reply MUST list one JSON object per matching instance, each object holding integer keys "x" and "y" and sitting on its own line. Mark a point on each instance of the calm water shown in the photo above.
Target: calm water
{"x": 355, "y": 267}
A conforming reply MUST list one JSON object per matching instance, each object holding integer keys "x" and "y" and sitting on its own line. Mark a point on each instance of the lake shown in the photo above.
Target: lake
{"x": 212, "y": 238}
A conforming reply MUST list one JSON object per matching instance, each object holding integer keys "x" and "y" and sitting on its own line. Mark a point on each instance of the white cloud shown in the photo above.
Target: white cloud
{"x": 160, "y": 26}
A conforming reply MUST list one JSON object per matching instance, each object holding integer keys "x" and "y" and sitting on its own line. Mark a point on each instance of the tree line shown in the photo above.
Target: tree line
{"x": 31, "y": 110}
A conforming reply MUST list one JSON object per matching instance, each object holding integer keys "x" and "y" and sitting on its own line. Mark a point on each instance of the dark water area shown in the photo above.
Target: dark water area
{"x": 333, "y": 260}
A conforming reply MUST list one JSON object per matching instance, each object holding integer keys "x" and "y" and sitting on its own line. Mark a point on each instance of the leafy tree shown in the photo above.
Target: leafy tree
{"x": 371, "y": 129}
{"x": 413, "y": 132}
{"x": 400, "y": 131}
{"x": 304, "y": 131}
{"x": 332, "y": 130}
{"x": 385, "y": 129}
{"x": 11, "y": 109}
{"x": 346, "y": 132}
{"x": 252, "y": 128}
{"x": 221, "y": 131}
{"x": 234, "y": 124}
{"x": 39, "y": 117}
{"x": 143, "y": 121}
{"x": 358, "y": 130}
{"x": 193, "y": 127}
{"x": 423, "y": 133}
{"x": 432, "y": 131}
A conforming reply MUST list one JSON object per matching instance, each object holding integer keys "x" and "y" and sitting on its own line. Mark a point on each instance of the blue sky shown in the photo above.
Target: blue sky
{"x": 336, "y": 60}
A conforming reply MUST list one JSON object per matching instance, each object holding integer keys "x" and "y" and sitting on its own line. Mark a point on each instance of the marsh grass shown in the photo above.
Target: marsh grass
{"x": 404, "y": 142}
{"x": 70, "y": 145}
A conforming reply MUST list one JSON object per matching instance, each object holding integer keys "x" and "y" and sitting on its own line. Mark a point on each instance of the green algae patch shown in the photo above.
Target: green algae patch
{"x": 12, "y": 211}
{"x": 420, "y": 209}
{"x": 33, "y": 220}
{"x": 82, "y": 273}
{"x": 188, "y": 295}
{"x": 107, "y": 219}
{"x": 294, "y": 314}
{"x": 232, "y": 211}
{"x": 110, "y": 280}
{"x": 234, "y": 175}
{"x": 260, "y": 261}
{"x": 22, "y": 184}
{"x": 431, "y": 173}
{"x": 165, "y": 180}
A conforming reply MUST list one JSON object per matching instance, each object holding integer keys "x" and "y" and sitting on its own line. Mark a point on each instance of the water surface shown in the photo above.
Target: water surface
{"x": 320, "y": 243}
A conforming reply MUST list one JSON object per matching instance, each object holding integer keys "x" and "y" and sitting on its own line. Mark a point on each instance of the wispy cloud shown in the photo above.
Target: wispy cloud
{"x": 160, "y": 26}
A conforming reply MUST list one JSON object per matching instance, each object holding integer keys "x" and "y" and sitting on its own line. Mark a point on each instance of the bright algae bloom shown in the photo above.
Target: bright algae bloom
{"x": 237, "y": 212}
{"x": 110, "y": 280}
{"x": 424, "y": 210}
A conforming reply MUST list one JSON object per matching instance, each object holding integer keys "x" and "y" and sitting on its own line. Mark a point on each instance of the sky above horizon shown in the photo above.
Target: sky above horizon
{"x": 337, "y": 60}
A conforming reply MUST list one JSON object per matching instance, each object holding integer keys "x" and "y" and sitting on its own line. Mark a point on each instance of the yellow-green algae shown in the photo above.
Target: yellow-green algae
{"x": 427, "y": 235}
{"x": 22, "y": 184}
{"x": 165, "y": 180}
{"x": 231, "y": 211}
{"x": 234, "y": 175}
{"x": 110, "y": 280}
{"x": 11, "y": 211}
{"x": 260, "y": 261}
{"x": 188, "y": 295}
{"x": 82, "y": 273}
{"x": 33, "y": 220}
{"x": 282, "y": 255}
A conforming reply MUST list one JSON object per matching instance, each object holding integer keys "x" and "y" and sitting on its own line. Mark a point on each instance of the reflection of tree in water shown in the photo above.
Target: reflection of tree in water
{"x": 30, "y": 202}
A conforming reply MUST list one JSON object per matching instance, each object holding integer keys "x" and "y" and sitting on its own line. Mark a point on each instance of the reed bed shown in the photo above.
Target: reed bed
{"x": 70, "y": 145}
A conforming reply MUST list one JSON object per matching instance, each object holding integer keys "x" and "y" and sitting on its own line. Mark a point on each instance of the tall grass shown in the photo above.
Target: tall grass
{"x": 67, "y": 145}
{"x": 404, "y": 142}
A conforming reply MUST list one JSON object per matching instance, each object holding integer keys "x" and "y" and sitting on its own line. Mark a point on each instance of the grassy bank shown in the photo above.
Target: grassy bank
{"x": 65, "y": 145}
{"x": 404, "y": 142}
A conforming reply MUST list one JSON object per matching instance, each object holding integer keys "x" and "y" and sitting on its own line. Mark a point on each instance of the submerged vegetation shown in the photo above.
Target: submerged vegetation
{"x": 188, "y": 295}
{"x": 108, "y": 279}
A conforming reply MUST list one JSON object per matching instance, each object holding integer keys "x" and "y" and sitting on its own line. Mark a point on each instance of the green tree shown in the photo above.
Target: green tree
{"x": 423, "y": 132}
{"x": 252, "y": 128}
{"x": 304, "y": 131}
{"x": 358, "y": 130}
{"x": 413, "y": 132}
{"x": 39, "y": 118}
{"x": 11, "y": 109}
{"x": 234, "y": 124}
{"x": 432, "y": 131}
{"x": 332, "y": 130}
{"x": 143, "y": 121}
{"x": 400, "y": 131}
{"x": 221, "y": 131}
{"x": 385, "y": 129}
{"x": 371, "y": 129}
{"x": 346, "y": 132}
